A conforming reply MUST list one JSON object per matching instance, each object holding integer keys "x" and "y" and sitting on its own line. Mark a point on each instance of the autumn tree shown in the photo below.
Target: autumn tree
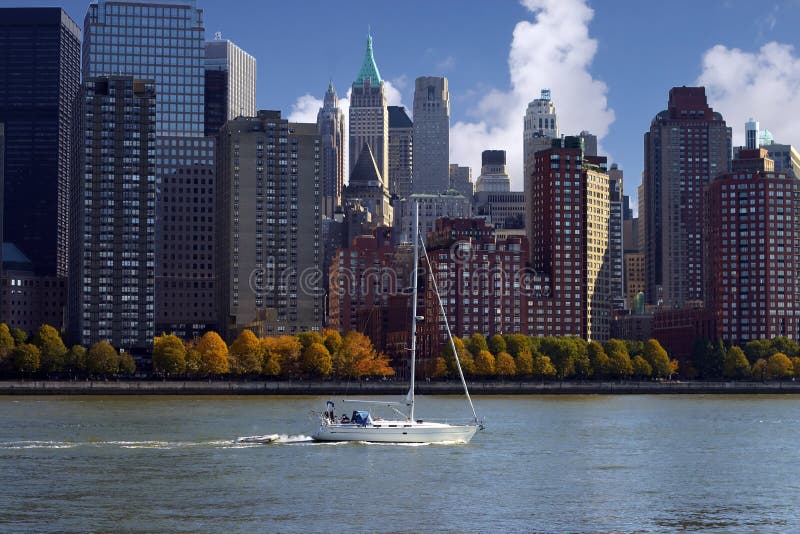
{"x": 485, "y": 364}
{"x": 619, "y": 361}
{"x": 779, "y": 366}
{"x": 26, "y": 358}
{"x": 287, "y": 351}
{"x": 657, "y": 357}
{"x": 358, "y": 358}
{"x": 759, "y": 369}
{"x": 464, "y": 356}
{"x": 505, "y": 365}
{"x": 245, "y": 354}
{"x": 213, "y": 354}
{"x": 193, "y": 358}
{"x": 641, "y": 369}
{"x": 438, "y": 368}
{"x": 102, "y": 359}
{"x": 523, "y": 363}
{"x": 735, "y": 364}
{"x": 169, "y": 355}
{"x": 316, "y": 360}
{"x": 497, "y": 344}
{"x": 562, "y": 353}
{"x": 51, "y": 348}
{"x": 796, "y": 366}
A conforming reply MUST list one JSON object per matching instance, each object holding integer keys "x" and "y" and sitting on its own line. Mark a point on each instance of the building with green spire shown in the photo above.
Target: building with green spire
{"x": 369, "y": 120}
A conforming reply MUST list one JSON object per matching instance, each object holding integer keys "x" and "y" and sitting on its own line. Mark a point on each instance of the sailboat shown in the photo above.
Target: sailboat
{"x": 361, "y": 426}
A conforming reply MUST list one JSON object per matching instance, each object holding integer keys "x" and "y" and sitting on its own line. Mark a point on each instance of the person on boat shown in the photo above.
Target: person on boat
{"x": 345, "y": 419}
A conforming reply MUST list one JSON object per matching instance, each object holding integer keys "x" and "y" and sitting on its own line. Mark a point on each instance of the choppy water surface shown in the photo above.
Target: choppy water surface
{"x": 244, "y": 464}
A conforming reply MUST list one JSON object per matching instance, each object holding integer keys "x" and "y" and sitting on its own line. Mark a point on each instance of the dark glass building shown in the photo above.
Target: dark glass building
{"x": 39, "y": 80}
{"x": 164, "y": 41}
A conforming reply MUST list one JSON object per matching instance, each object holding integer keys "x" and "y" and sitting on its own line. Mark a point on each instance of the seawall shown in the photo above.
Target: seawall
{"x": 199, "y": 387}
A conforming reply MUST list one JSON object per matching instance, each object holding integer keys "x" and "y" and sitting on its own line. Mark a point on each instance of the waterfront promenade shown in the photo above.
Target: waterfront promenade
{"x": 380, "y": 387}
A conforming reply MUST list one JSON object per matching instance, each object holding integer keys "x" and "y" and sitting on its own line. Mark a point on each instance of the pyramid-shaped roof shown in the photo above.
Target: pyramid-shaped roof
{"x": 369, "y": 70}
{"x": 365, "y": 171}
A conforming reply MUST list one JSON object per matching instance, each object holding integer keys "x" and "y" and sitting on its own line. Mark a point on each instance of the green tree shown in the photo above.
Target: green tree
{"x": 658, "y": 358}
{"x": 20, "y": 336}
{"x": 504, "y": 365}
{"x": 759, "y": 369}
{"x": 316, "y": 360}
{"x": 619, "y": 361}
{"x": 524, "y": 363}
{"x": 635, "y": 348}
{"x": 213, "y": 355}
{"x": 497, "y": 344}
{"x": 464, "y": 357}
{"x": 476, "y": 343}
{"x": 102, "y": 359}
{"x": 583, "y": 367}
{"x": 245, "y": 356}
{"x": 700, "y": 353}
{"x": 543, "y": 367}
{"x": 75, "y": 361}
{"x": 779, "y": 366}
{"x": 758, "y": 349}
{"x": 787, "y": 346}
{"x": 310, "y": 337}
{"x": 169, "y": 355}
{"x": 516, "y": 343}
{"x": 735, "y": 364}
{"x": 26, "y": 358}
{"x": 598, "y": 359}
{"x": 51, "y": 348}
{"x": 562, "y": 353}
{"x": 641, "y": 369}
{"x": 127, "y": 365}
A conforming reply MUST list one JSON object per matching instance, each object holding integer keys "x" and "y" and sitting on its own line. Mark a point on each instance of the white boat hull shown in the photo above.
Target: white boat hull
{"x": 396, "y": 432}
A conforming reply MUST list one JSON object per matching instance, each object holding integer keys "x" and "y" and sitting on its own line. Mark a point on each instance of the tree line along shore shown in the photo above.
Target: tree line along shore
{"x": 328, "y": 355}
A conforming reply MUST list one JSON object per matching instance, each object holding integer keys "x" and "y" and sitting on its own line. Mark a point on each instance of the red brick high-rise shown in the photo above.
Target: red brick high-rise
{"x": 752, "y": 250}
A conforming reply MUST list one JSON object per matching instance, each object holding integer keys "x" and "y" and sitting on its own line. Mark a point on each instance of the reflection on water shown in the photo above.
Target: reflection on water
{"x": 578, "y": 463}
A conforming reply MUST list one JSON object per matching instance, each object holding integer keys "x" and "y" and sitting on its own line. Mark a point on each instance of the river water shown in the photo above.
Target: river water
{"x": 544, "y": 463}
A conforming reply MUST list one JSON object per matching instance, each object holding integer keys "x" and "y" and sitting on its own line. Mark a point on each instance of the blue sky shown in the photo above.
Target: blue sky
{"x": 615, "y": 61}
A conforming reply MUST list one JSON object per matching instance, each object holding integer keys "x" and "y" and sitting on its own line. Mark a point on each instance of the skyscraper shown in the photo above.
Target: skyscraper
{"x": 269, "y": 227}
{"x": 541, "y": 126}
{"x": 687, "y": 146}
{"x": 751, "y": 140}
{"x": 330, "y": 126}
{"x": 369, "y": 118}
{"x": 431, "y": 135}
{"x": 165, "y": 42}
{"x": 616, "y": 249}
{"x": 39, "y": 81}
{"x": 112, "y": 252}
{"x": 401, "y": 143}
{"x": 752, "y": 235}
{"x": 461, "y": 180}
{"x": 230, "y": 84}
{"x": 569, "y": 195}
{"x": 494, "y": 173}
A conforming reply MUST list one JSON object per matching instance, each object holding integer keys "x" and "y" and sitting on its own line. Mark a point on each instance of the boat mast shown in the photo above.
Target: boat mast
{"x": 449, "y": 334}
{"x": 415, "y": 265}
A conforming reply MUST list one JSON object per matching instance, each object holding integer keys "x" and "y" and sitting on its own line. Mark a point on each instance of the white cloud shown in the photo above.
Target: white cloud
{"x": 764, "y": 85}
{"x": 552, "y": 51}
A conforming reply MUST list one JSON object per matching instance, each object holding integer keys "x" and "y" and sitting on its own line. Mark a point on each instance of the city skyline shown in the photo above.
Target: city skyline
{"x": 479, "y": 75}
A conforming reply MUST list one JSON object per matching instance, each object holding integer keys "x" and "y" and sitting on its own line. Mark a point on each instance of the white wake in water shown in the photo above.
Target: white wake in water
{"x": 274, "y": 438}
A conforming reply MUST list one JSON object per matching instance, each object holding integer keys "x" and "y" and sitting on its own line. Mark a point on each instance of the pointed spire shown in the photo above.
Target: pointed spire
{"x": 331, "y": 100}
{"x": 369, "y": 70}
